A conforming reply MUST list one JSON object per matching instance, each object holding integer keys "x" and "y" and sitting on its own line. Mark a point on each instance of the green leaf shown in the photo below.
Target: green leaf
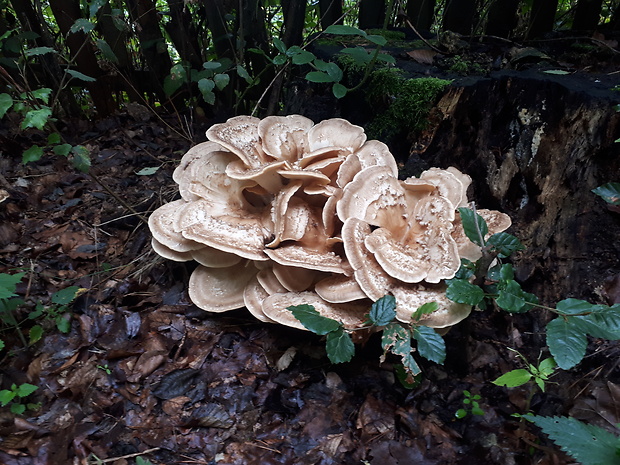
{"x": 377, "y": 39}
{"x": 397, "y": 340}
{"x": 221, "y": 81}
{"x": 319, "y": 76}
{"x": 65, "y": 296}
{"x": 35, "y": 334}
{"x": 81, "y": 76}
{"x": 609, "y": 192}
{"x": 424, "y": 309}
{"x": 6, "y": 396}
{"x": 42, "y": 94}
{"x": 63, "y": 324}
{"x": 344, "y": 30}
{"x": 280, "y": 46}
{"x": 474, "y": 226}
{"x": 567, "y": 342}
{"x": 303, "y": 58}
{"x": 53, "y": 138}
{"x": 206, "y": 87}
{"x": 148, "y": 171}
{"x": 547, "y": 367}
{"x": 506, "y": 244}
{"x": 1, "y": 344}
{"x": 25, "y": 389}
{"x": 602, "y": 322}
{"x": 359, "y": 54}
{"x": 313, "y": 320}
{"x": 460, "y": 413}
{"x": 34, "y": 153}
{"x": 81, "y": 158}
{"x": 82, "y": 24}
{"x": 18, "y": 409}
{"x": 556, "y": 71}
{"x": 8, "y": 283}
{"x": 212, "y": 65}
{"x": 383, "y": 311}
{"x": 339, "y": 346}
{"x": 242, "y": 72}
{"x": 36, "y": 51}
{"x": 576, "y": 306}
{"x": 106, "y": 51}
{"x": 463, "y": 292}
{"x": 279, "y": 60}
{"x": 431, "y": 345}
{"x": 62, "y": 149}
{"x": 95, "y": 6}
{"x": 37, "y": 118}
{"x": 588, "y": 444}
{"x": 334, "y": 71}
{"x": 513, "y": 378}
{"x": 511, "y": 297}
{"x": 6, "y": 102}
{"x": 176, "y": 78}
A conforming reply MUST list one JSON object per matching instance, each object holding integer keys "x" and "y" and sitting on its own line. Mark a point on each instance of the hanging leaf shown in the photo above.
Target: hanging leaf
{"x": 431, "y": 345}
{"x": 77, "y": 75}
{"x": 339, "y": 346}
{"x": 339, "y": 29}
{"x": 318, "y": 76}
{"x": 221, "y": 81}
{"x": 303, "y": 57}
{"x": 339, "y": 90}
{"x": 106, "y": 51}
{"x": 6, "y": 102}
{"x": 506, "y": 244}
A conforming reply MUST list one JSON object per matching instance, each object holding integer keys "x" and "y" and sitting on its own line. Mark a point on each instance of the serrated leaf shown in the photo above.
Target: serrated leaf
{"x": 37, "y": 118}
{"x": 513, "y": 378}
{"x": 463, "y": 292}
{"x": 567, "y": 342}
{"x": 424, "y": 309}
{"x": 81, "y": 76}
{"x": 609, "y": 192}
{"x": 506, "y": 244}
{"x": 576, "y": 306}
{"x": 35, "y": 334}
{"x": 34, "y": 153}
{"x": 36, "y": 51}
{"x": 63, "y": 324}
{"x": 62, "y": 149}
{"x": 53, "y": 138}
{"x": 431, "y": 345}
{"x": 8, "y": 283}
{"x": 221, "y": 81}
{"x": 65, "y": 296}
{"x": 18, "y": 409}
{"x": 25, "y": 389}
{"x": 511, "y": 297}
{"x": 6, "y": 396}
{"x": 588, "y": 444}
{"x": 397, "y": 340}
{"x": 344, "y": 30}
{"x": 339, "y": 90}
{"x": 318, "y": 76}
{"x": 474, "y": 226}
{"x": 6, "y": 102}
{"x": 42, "y": 94}
{"x": 81, "y": 158}
{"x": 313, "y": 320}
{"x": 82, "y": 24}
{"x": 339, "y": 346}
{"x": 148, "y": 171}
{"x": 106, "y": 51}
{"x": 383, "y": 311}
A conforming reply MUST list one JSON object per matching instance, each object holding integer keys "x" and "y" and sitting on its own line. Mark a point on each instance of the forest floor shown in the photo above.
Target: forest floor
{"x": 143, "y": 376}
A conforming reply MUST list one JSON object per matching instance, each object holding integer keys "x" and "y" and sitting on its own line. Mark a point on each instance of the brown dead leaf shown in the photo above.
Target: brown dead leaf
{"x": 423, "y": 56}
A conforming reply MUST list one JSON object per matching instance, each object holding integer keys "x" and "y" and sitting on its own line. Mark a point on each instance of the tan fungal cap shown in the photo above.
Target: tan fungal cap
{"x": 410, "y": 298}
{"x": 240, "y": 136}
{"x": 338, "y": 133}
{"x": 165, "y": 226}
{"x": 339, "y": 289}
{"x": 284, "y": 137}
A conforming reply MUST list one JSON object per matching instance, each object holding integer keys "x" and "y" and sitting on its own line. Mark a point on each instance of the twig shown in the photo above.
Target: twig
{"x": 129, "y": 456}
{"x": 402, "y": 13}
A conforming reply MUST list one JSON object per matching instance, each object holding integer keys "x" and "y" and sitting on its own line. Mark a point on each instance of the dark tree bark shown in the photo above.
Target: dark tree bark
{"x": 502, "y": 18}
{"x": 421, "y": 13}
{"x": 66, "y": 13}
{"x": 587, "y": 15}
{"x": 183, "y": 33}
{"x": 223, "y": 42}
{"x": 152, "y": 43}
{"x": 371, "y": 14}
{"x": 459, "y": 16}
{"x": 543, "y": 17}
{"x": 294, "y": 18}
{"x": 331, "y": 12}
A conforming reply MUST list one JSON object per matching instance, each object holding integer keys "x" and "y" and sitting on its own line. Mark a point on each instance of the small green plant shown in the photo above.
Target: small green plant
{"x": 588, "y": 444}
{"x": 540, "y": 374}
{"x": 105, "y": 368}
{"x": 57, "y": 313}
{"x": 9, "y": 302}
{"x": 470, "y": 405}
{"x": 15, "y": 395}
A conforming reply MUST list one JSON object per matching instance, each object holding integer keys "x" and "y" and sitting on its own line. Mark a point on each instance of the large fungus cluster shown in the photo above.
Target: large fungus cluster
{"x": 280, "y": 212}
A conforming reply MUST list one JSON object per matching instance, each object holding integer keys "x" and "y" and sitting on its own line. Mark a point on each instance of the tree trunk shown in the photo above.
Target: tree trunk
{"x": 421, "y": 13}
{"x": 543, "y": 17}
{"x": 66, "y": 13}
{"x": 587, "y": 15}
{"x": 371, "y": 14}
{"x": 331, "y": 12}
{"x": 153, "y": 45}
{"x": 183, "y": 33}
{"x": 294, "y": 18}
{"x": 535, "y": 149}
{"x": 459, "y": 16}
{"x": 222, "y": 41}
{"x": 502, "y": 18}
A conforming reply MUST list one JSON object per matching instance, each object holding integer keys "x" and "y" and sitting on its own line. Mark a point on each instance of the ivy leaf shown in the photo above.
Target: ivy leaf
{"x": 506, "y": 244}
{"x": 463, "y": 292}
{"x": 474, "y": 226}
{"x": 383, "y": 311}
{"x": 81, "y": 76}
{"x": 430, "y": 344}
{"x": 34, "y": 153}
{"x": 567, "y": 342}
{"x": 609, "y": 192}
{"x": 6, "y": 102}
{"x": 339, "y": 346}
{"x": 588, "y": 444}
{"x": 25, "y": 389}
{"x": 65, "y": 296}
{"x": 313, "y": 320}
{"x": 318, "y": 76}
{"x": 37, "y": 118}
{"x": 513, "y": 378}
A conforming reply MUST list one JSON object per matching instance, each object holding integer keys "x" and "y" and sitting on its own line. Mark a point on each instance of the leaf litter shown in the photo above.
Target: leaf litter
{"x": 144, "y": 372}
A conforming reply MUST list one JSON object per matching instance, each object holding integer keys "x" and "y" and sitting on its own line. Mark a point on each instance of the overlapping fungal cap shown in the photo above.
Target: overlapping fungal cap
{"x": 281, "y": 212}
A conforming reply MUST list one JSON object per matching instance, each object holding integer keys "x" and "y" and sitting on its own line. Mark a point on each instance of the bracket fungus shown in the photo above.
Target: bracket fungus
{"x": 281, "y": 211}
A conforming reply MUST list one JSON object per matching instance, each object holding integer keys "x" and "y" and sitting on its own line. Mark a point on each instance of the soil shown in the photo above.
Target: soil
{"x": 143, "y": 374}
